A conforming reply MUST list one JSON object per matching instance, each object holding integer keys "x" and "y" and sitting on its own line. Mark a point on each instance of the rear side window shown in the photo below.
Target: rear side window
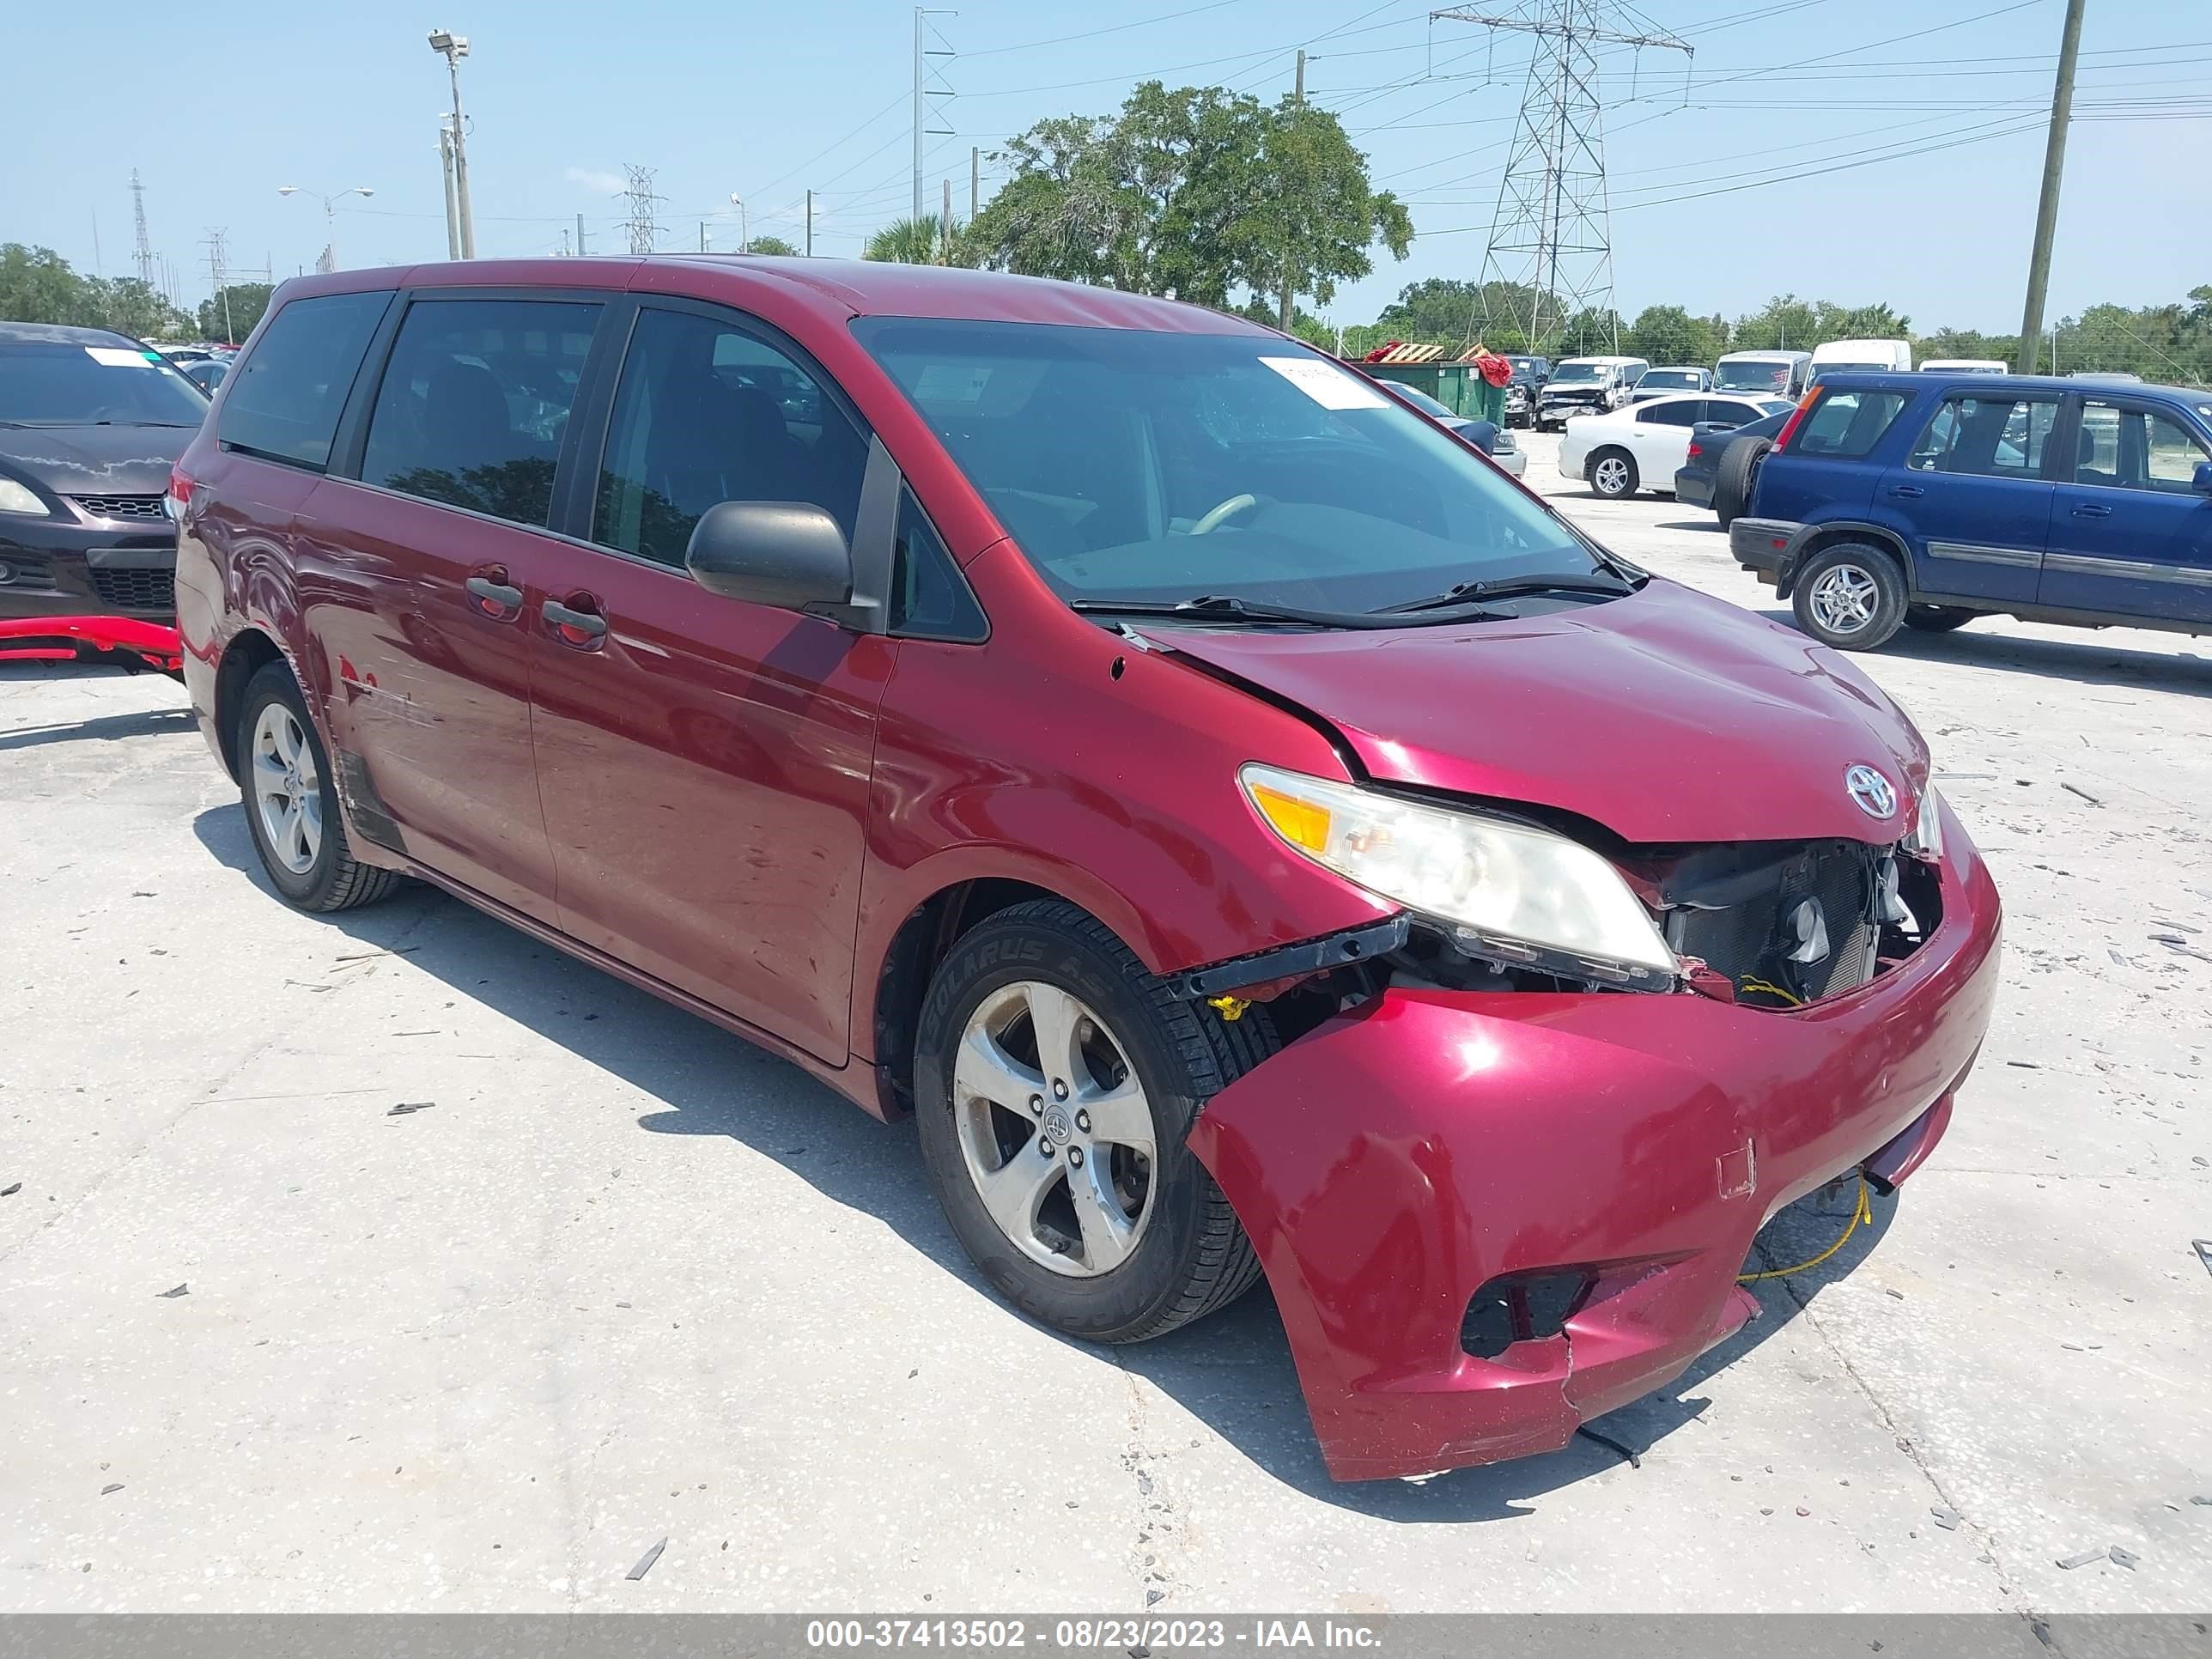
{"x": 1686, "y": 413}
{"x": 1847, "y": 424}
{"x": 475, "y": 400}
{"x": 1986, "y": 437}
{"x": 286, "y": 396}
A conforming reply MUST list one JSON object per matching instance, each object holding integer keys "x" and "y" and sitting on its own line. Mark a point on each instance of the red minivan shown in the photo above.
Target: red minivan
{"x": 1251, "y": 833}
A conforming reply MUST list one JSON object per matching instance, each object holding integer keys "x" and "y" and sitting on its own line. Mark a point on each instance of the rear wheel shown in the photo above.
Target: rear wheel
{"x": 1055, "y": 1083}
{"x": 1937, "y": 618}
{"x": 1612, "y": 474}
{"x": 292, "y": 801}
{"x": 1851, "y": 596}
{"x": 1735, "y": 478}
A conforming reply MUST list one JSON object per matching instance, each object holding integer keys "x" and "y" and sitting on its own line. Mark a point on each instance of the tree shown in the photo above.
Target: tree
{"x": 1970, "y": 343}
{"x": 1593, "y": 332}
{"x": 1304, "y": 324}
{"x": 1196, "y": 192}
{"x": 775, "y": 245}
{"x": 1785, "y": 322}
{"x": 1443, "y": 311}
{"x": 1668, "y": 334}
{"x": 37, "y": 286}
{"x": 921, "y": 242}
{"x": 1316, "y": 216}
{"x": 247, "y": 301}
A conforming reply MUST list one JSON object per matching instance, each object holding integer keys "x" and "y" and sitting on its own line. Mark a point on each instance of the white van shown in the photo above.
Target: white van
{"x": 1587, "y": 385}
{"x": 1964, "y": 366}
{"x": 1773, "y": 373}
{"x": 1861, "y": 357}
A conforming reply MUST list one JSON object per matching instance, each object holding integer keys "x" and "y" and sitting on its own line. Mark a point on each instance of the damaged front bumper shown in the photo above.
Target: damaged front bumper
{"x": 1421, "y": 1175}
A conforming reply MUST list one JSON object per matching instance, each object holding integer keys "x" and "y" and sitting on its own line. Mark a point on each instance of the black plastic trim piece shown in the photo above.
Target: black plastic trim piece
{"x": 1336, "y": 950}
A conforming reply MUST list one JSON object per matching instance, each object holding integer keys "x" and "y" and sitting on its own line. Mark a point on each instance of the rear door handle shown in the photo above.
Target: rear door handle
{"x": 571, "y": 626}
{"x": 1907, "y": 492}
{"x": 490, "y": 596}
{"x": 2092, "y": 510}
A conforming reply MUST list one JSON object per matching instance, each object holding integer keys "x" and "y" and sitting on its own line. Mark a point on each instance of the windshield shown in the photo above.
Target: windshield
{"x": 1133, "y": 466}
{"x": 1669, "y": 379}
{"x": 1752, "y": 377}
{"x": 1576, "y": 373}
{"x": 1821, "y": 371}
{"x": 55, "y": 383}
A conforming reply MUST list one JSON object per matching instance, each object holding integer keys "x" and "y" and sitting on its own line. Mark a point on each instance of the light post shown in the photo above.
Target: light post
{"x": 744, "y": 237}
{"x": 329, "y": 215}
{"x": 452, "y": 48}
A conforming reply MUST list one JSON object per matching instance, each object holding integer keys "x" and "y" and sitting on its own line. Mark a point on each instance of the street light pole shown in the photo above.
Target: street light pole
{"x": 744, "y": 236}
{"x": 452, "y": 48}
{"x": 452, "y": 202}
{"x": 330, "y": 214}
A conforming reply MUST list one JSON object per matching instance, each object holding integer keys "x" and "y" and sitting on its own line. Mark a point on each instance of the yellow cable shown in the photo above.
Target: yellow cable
{"x": 1750, "y": 984}
{"x": 1864, "y": 1212}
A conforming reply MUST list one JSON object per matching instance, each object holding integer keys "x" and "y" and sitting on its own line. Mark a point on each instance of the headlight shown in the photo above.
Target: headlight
{"x": 1507, "y": 891}
{"x": 17, "y": 498}
{"x": 1925, "y": 839}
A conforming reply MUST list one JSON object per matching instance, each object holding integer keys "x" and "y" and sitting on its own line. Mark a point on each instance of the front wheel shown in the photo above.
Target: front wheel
{"x": 1055, "y": 1083}
{"x": 1851, "y": 596}
{"x": 1612, "y": 474}
{"x": 292, "y": 801}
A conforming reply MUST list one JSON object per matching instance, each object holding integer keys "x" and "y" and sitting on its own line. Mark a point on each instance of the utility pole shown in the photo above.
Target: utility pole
{"x": 581, "y": 249}
{"x": 974, "y": 181}
{"x": 453, "y": 199}
{"x": 1551, "y": 233}
{"x": 922, "y": 95}
{"x": 452, "y": 48}
{"x": 703, "y": 236}
{"x": 2046, "y": 208}
{"x": 98, "y": 268}
{"x": 810, "y": 224}
{"x": 144, "y": 253}
{"x": 944, "y": 226}
{"x": 1289, "y": 277}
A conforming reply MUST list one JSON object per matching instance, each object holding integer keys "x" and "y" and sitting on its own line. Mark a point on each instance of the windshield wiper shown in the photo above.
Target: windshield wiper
{"x": 1229, "y": 608}
{"x": 1512, "y": 587}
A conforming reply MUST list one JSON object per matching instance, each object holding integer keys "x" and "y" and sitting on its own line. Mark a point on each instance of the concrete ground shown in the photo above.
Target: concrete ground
{"x": 626, "y": 1279}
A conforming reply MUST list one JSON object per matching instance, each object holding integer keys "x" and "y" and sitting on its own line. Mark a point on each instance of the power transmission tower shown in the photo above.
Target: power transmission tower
{"x": 923, "y": 94}
{"x": 219, "y": 276}
{"x": 640, "y": 195}
{"x": 143, "y": 253}
{"x": 1551, "y": 232}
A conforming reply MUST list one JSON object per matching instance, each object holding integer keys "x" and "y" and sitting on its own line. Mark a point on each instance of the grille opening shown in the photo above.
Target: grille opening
{"x": 1521, "y": 1308}
{"x": 121, "y": 506}
{"x": 135, "y": 590}
{"x": 1788, "y": 923}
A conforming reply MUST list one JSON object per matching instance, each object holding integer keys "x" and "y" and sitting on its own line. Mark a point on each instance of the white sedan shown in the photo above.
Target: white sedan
{"x": 1616, "y": 453}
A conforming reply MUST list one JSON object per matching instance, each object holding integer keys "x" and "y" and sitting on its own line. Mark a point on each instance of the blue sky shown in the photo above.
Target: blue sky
{"x": 765, "y": 101}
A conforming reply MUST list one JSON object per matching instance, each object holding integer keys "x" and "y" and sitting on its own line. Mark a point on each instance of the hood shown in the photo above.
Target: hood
{"x": 1579, "y": 389}
{"x": 95, "y": 460}
{"x": 1665, "y": 716}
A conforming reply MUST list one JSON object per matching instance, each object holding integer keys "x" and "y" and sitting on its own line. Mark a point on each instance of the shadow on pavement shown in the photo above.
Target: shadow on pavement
{"x": 2088, "y": 662}
{"x": 138, "y": 723}
{"x": 1233, "y": 1371}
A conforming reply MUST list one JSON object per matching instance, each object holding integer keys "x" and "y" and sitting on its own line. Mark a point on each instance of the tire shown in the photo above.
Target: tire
{"x": 1850, "y": 595}
{"x": 1611, "y": 474}
{"x": 1182, "y": 1254}
{"x": 316, "y": 871}
{"x": 1937, "y": 618}
{"x": 1736, "y": 476}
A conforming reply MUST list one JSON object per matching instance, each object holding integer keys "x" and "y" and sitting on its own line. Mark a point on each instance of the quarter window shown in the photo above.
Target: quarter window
{"x": 1986, "y": 437}
{"x": 474, "y": 402}
{"x": 930, "y": 598}
{"x": 286, "y": 398}
{"x": 2128, "y": 449}
{"x": 1847, "y": 424}
{"x": 707, "y": 413}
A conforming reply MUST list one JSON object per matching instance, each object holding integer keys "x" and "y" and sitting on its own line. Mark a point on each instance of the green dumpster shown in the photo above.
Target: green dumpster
{"x": 1459, "y": 387}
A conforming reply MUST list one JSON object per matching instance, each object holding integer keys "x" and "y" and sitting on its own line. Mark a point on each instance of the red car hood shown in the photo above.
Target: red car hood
{"x": 1664, "y": 716}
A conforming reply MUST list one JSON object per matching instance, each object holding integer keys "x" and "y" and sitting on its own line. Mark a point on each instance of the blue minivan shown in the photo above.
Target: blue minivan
{"x": 1925, "y": 500}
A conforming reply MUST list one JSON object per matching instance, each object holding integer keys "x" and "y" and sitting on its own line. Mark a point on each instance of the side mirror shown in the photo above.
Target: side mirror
{"x": 2201, "y": 483}
{"x": 787, "y": 554}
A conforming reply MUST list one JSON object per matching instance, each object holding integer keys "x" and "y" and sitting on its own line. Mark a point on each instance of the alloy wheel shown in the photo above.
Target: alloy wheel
{"x": 1610, "y": 476}
{"x": 1054, "y": 1129}
{"x": 288, "y": 791}
{"x": 1844, "y": 598}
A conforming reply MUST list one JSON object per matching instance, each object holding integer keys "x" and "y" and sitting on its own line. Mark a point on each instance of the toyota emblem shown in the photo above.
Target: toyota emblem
{"x": 1872, "y": 791}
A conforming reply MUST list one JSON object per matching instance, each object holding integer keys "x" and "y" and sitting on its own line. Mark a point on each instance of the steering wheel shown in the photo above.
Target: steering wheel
{"x": 1227, "y": 509}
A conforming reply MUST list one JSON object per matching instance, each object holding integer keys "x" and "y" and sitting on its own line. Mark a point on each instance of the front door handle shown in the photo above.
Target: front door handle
{"x": 572, "y": 624}
{"x": 490, "y": 596}
{"x": 1907, "y": 492}
{"x": 2092, "y": 510}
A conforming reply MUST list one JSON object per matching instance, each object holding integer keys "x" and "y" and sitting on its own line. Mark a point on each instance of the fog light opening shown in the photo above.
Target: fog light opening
{"x": 1527, "y": 1307}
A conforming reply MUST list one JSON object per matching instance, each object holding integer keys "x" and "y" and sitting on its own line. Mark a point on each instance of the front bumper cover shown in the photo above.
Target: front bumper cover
{"x": 1393, "y": 1161}
{"x": 59, "y": 566}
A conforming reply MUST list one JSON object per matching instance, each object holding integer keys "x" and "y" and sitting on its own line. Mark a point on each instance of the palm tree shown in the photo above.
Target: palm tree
{"x": 916, "y": 242}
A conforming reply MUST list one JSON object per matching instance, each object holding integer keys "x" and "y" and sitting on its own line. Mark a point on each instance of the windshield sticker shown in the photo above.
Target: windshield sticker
{"x": 951, "y": 383}
{"x": 117, "y": 357}
{"x": 1331, "y": 388}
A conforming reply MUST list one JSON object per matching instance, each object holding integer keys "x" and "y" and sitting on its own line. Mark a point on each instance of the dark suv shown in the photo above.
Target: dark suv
{"x": 90, "y": 424}
{"x": 1924, "y": 500}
